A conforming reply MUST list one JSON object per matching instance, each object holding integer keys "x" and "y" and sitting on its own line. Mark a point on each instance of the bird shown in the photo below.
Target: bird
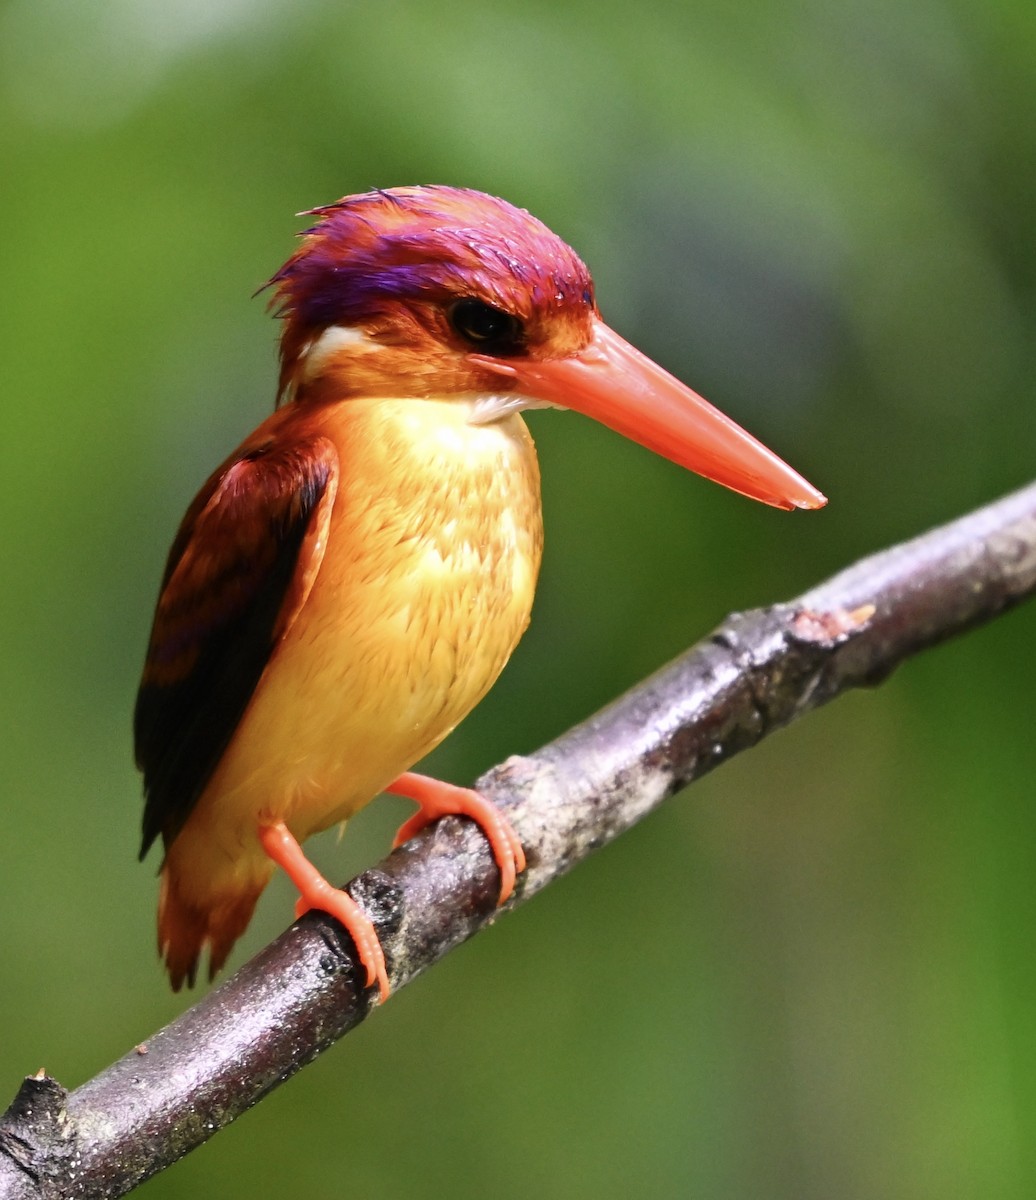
{"x": 351, "y": 580}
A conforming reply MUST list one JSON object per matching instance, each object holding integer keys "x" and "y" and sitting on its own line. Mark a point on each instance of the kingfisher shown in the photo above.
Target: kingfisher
{"x": 351, "y": 580}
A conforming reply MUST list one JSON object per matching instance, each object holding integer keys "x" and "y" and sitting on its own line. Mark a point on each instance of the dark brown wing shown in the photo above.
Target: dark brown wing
{"x": 240, "y": 569}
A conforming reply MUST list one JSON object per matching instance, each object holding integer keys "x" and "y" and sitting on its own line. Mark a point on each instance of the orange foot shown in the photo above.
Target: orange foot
{"x": 438, "y": 799}
{"x": 316, "y": 892}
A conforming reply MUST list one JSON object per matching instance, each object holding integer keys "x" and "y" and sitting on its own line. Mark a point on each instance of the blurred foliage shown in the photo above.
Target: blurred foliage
{"x": 812, "y": 975}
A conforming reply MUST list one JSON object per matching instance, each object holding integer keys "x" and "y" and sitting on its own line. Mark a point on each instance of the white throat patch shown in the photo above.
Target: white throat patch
{"x": 489, "y": 407}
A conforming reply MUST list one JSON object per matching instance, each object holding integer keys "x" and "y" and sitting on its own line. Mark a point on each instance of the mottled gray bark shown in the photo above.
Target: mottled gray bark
{"x": 758, "y": 671}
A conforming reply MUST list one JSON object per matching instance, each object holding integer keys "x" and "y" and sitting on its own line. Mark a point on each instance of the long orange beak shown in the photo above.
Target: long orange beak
{"x": 612, "y": 382}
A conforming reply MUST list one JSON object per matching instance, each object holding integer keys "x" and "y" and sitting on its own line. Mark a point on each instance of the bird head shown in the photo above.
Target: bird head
{"x": 441, "y": 291}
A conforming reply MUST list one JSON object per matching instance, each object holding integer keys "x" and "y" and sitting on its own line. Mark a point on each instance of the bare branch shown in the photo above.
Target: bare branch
{"x": 758, "y": 671}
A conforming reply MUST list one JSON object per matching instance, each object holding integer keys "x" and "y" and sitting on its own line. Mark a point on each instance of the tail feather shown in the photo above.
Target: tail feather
{"x": 187, "y": 925}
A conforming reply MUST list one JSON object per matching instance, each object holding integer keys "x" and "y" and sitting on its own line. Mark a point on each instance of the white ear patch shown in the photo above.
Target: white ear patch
{"x": 315, "y": 353}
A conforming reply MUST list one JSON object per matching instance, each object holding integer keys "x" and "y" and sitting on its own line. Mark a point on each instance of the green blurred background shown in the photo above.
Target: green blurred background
{"x": 810, "y": 976}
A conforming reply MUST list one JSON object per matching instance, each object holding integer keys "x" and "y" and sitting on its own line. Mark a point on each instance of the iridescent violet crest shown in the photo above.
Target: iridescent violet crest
{"x": 425, "y": 243}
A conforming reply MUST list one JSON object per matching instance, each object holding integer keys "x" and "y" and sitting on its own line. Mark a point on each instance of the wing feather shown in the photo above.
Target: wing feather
{"x": 239, "y": 571}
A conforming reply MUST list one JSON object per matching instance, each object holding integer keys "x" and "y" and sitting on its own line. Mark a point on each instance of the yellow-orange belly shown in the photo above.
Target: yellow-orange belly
{"x": 425, "y": 587}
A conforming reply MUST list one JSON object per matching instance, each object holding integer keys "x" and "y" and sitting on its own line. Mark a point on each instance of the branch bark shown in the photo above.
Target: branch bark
{"x": 756, "y": 672}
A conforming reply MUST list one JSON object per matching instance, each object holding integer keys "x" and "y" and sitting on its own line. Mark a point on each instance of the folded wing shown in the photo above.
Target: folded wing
{"x": 238, "y": 574}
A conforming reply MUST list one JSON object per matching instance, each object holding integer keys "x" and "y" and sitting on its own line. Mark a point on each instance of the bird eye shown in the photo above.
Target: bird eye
{"x": 490, "y": 329}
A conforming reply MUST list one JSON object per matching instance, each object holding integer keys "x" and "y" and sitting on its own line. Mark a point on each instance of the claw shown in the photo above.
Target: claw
{"x": 438, "y": 799}
{"x": 316, "y": 892}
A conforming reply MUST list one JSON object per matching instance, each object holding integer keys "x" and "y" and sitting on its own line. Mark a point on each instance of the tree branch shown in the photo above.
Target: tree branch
{"x": 757, "y": 672}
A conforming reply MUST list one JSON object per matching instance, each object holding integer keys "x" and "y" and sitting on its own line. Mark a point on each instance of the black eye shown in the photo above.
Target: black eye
{"x": 490, "y": 329}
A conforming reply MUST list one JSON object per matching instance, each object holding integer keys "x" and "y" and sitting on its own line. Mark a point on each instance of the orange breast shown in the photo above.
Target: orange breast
{"x": 425, "y": 587}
